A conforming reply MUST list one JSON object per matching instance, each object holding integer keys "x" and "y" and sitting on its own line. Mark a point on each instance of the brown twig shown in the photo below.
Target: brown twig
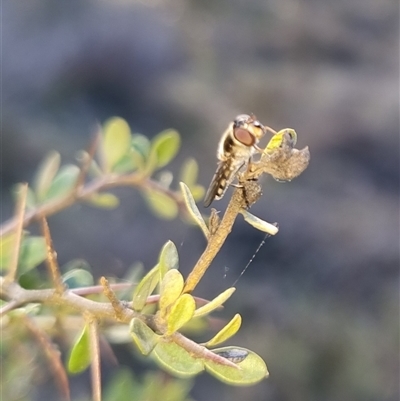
{"x": 95, "y": 358}
{"x": 115, "y": 302}
{"x": 215, "y": 241}
{"x": 53, "y": 355}
{"x": 51, "y": 259}
{"x": 19, "y": 219}
{"x": 102, "y": 183}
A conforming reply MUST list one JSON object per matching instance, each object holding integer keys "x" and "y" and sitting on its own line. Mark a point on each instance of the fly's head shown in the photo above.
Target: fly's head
{"x": 240, "y": 139}
{"x": 247, "y": 130}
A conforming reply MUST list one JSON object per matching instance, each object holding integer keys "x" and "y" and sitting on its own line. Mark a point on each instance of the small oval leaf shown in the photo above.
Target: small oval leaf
{"x": 226, "y": 332}
{"x": 103, "y": 200}
{"x": 145, "y": 288}
{"x": 181, "y": 312}
{"x": 76, "y": 278}
{"x": 79, "y": 358}
{"x": 252, "y": 368}
{"x": 46, "y": 172}
{"x": 215, "y": 303}
{"x": 171, "y": 288}
{"x": 261, "y": 225}
{"x": 64, "y": 182}
{"x": 116, "y": 142}
{"x": 161, "y": 204}
{"x": 140, "y": 149}
{"x": 165, "y": 146}
{"x": 168, "y": 259}
{"x": 7, "y": 242}
{"x": 33, "y": 251}
{"x": 177, "y": 360}
{"x": 144, "y": 337}
{"x": 193, "y": 209}
{"x": 189, "y": 172}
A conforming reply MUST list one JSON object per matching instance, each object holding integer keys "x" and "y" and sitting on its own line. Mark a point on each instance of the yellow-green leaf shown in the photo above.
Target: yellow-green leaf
{"x": 171, "y": 288}
{"x": 79, "y": 358}
{"x": 277, "y": 140}
{"x": 177, "y": 360}
{"x": 226, "y": 332}
{"x": 47, "y": 171}
{"x": 198, "y": 192}
{"x": 144, "y": 337}
{"x": 215, "y": 303}
{"x": 161, "y": 204}
{"x": 181, "y": 312}
{"x": 64, "y": 182}
{"x": 103, "y": 200}
{"x": 189, "y": 172}
{"x": 7, "y": 243}
{"x": 258, "y": 223}
{"x": 116, "y": 142}
{"x": 193, "y": 209}
{"x": 252, "y": 368}
{"x": 144, "y": 289}
{"x": 168, "y": 259}
{"x": 165, "y": 146}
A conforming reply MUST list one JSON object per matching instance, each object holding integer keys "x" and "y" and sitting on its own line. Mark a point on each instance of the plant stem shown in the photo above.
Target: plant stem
{"x": 216, "y": 241}
{"x": 106, "y": 182}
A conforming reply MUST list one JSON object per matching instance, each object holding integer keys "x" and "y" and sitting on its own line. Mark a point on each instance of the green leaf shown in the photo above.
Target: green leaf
{"x": 116, "y": 142}
{"x": 103, "y": 200}
{"x": 215, "y": 303}
{"x": 252, "y": 368}
{"x": 164, "y": 147}
{"x": 258, "y": 223}
{"x": 144, "y": 337}
{"x": 168, "y": 259}
{"x": 64, "y": 182}
{"x": 193, "y": 209}
{"x": 126, "y": 164}
{"x": 46, "y": 172}
{"x": 181, "y": 312}
{"x": 122, "y": 383}
{"x": 79, "y": 358}
{"x": 31, "y": 200}
{"x": 189, "y": 172}
{"x": 33, "y": 252}
{"x": 144, "y": 289}
{"x": 177, "y": 360}
{"x": 226, "y": 332}
{"x": 140, "y": 149}
{"x": 171, "y": 288}
{"x": 161, "y": 204}
{"x": 77, "y": 278}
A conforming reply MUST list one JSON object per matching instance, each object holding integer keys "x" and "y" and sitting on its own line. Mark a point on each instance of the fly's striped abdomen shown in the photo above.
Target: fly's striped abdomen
{"x": 224, "y": 175}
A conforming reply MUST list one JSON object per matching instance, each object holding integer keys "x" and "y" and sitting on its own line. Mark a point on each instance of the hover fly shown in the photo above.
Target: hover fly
{"x": 235, "y": 149}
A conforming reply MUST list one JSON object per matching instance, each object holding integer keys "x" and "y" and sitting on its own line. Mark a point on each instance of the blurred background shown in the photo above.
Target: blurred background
{"x": 320, "y": 301}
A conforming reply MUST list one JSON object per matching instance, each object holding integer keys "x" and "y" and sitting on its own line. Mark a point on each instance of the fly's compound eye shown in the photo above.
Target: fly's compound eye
{"x": 244, "y": 136}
